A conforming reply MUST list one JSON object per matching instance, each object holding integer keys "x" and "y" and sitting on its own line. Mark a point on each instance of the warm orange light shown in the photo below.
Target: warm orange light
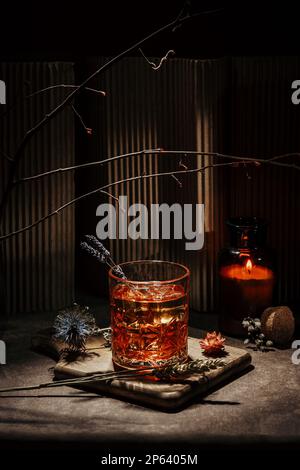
{"x": 249, "y": 266}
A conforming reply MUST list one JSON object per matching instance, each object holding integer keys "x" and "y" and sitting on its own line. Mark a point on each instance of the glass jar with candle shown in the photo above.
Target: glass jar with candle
{"x": 246, "y": 274}
{"x": 149, "y": 313}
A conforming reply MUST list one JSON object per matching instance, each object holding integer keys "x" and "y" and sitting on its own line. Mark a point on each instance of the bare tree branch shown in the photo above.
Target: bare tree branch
{"x": 255, "y": 160}
{"x": 110, "y": 195}
{"x": 155, "y": 66}
{"x": 43, "y": 90}
{"x": 88, "y": 130}
{"x": 115, "y": 198}
{"x": 48, "y": 117}
{"x": 87, "y": 165}
{"x": 53, "y": 87}
{"x": 182, "y": 165}
{"x": 159, "y": 151}
{"x": 6, "y": 156}
{"x": 103, "y": 189}
{"x": 237, "y": 162}
{"x": 179, "y": 183}
{"x": 185, "y": 13}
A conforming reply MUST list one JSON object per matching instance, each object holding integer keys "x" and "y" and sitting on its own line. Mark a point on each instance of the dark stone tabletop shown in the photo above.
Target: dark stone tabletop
{"x": 262, "y": 407}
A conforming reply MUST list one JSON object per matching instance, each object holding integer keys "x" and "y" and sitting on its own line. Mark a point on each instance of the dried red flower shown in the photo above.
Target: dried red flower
{"x": 213, "y": 343}
{"x": 89, "y": 130}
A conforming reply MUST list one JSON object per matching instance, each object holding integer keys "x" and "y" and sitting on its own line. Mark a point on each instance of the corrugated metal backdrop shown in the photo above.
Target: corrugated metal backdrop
{"x": 180, "y": 106}
{"x": 237, "y": 106}
{"x": 266, "y": 123}
{"x": 38, "y": 265}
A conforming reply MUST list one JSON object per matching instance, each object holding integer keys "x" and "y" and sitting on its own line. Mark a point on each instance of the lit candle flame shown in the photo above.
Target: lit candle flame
{"x": 249, "y": 266}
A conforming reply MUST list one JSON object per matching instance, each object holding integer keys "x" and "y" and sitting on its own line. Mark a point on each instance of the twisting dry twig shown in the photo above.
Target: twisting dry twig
{"x": 115, "y": 198}
{"x": 237, "y": 161}
{"x": 43, "y": 90}
{"x": 89, "y": 164}
{"x": 160, "y": 151}
{"x": 179, "y": 183}
{"x": 6, "y": 156}
{"x": 111, "y": 195}
{"x": 68, "y": 99}
{"x": 257, "y": 161}
{"x": 185, "y": 10}
{"x": 115, "y": 183}
{"x": 88, "y": 130}
{"x": 182, "y": 165}
{"x": 53, "y": 87}
{"x": 162, "y": 60}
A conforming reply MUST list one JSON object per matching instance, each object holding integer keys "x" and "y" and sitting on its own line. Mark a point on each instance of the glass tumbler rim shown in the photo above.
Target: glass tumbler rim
{"x": 185, "y": 275}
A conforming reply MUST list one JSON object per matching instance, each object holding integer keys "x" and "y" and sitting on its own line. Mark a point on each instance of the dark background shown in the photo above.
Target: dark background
{"x": 72, "y": 31}
{"x": 260, "y": 119}
{"x": 69, "y": 30}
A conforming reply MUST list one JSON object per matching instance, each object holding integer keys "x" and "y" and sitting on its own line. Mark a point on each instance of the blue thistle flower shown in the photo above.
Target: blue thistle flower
{"x": 73, "y": 326}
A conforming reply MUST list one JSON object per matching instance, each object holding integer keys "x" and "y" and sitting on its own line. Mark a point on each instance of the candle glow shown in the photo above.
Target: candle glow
{"x": 249, "y": 266}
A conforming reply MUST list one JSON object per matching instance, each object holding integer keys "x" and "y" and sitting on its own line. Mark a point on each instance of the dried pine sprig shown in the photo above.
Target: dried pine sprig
{"x": 255, "y": 335}
{"x": 170, "y": 371}
{"x": 73, "y": 326}
{"x": 96, "y": 249}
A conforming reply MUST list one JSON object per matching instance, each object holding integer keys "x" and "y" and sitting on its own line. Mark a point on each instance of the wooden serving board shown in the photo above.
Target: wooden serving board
{"x": 163, "y": 395}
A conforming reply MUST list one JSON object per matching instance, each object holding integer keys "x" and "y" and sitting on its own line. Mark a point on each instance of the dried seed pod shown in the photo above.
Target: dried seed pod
{"x": 278, "y": 324}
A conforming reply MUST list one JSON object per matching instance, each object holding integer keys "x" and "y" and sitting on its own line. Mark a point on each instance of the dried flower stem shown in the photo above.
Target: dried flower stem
{"x": 167, "y": 372}
{"x": 95, "y": 248}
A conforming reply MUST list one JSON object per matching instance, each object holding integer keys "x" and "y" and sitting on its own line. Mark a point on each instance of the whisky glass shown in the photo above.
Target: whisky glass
{"x": 149, "y": 313}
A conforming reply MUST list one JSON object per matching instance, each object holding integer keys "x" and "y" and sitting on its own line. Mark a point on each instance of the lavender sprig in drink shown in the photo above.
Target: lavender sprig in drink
{"x": 96, "y": 249}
